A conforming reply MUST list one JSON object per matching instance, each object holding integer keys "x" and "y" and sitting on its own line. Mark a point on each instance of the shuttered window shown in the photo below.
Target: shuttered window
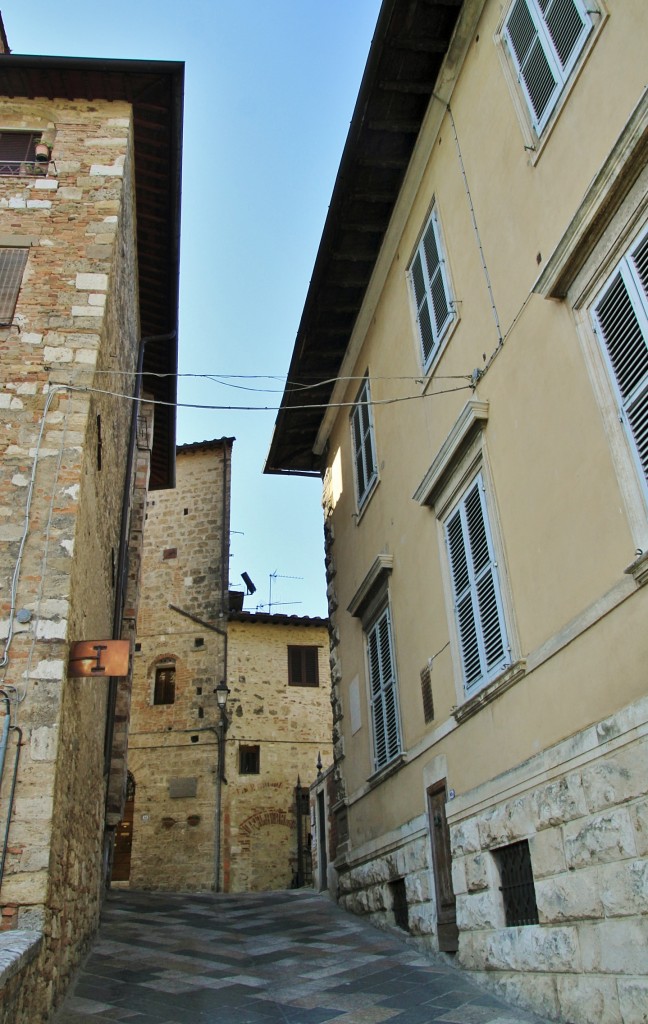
{"x": 384, "y": 696}
{"x": 18, "y": 152}
{"x": 545, "y": 39}
{"x": 429, "y": 282}
{"x": 476, "y": 591}
{"x": 364, "y": 449}
{"x": 12, "y": 266}
{"x": 303, "y": 669}
{"x": 621, "y": 323}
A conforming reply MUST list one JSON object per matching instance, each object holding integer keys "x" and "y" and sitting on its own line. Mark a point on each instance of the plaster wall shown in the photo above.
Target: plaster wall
{"x": 566, "y": 523}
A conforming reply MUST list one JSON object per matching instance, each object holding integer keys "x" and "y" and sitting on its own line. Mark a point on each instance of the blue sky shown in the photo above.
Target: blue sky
{"x": 270, "y": 90}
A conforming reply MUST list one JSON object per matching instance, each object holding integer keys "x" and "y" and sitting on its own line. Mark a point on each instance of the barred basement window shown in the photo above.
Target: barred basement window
{"x": 249, "y": 760}
{"x": 12, "y": 267}
{"x": 517, "y": 888}
{"x": 399, "y": 904}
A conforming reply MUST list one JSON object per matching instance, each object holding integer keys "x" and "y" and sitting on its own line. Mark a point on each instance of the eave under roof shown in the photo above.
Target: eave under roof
{"x": 155, "y": 90}
{"x": 409, "y": 45}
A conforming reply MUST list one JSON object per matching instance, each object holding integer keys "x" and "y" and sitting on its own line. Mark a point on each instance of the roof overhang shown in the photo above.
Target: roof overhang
{"x": 410, "y": 43}
{"x": 155, "y": 91}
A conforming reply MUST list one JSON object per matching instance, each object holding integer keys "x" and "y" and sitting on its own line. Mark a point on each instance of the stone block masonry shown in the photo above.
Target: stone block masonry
{"x": 76, "y": 318}
{"x": 582, "y": 808}
{"x": 183, "y": 627}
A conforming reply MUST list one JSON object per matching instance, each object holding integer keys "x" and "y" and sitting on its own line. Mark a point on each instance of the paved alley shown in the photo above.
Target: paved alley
{"x": 291, "y": 956}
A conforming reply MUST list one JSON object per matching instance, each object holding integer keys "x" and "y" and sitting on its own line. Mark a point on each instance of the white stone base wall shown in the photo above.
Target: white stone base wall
{"x": 587, "y": 827}
{"x": 364, "y": 888}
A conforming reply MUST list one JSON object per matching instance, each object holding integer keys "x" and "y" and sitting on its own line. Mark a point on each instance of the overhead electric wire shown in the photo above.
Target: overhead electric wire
{"x": 260, "y": 408}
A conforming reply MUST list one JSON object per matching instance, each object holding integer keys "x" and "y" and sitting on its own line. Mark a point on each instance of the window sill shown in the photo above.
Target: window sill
{"x": 639, "y": 569}
{"x": 366, "y": 501}
{"x": 387, "y": 771}
{"x": 500, "y": 685}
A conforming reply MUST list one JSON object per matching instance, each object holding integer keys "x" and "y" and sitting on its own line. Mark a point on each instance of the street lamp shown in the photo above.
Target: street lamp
{"x": 222, "y": 692}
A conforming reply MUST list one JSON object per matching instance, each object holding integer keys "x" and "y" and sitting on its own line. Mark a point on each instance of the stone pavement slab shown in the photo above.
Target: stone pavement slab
{"x": 287, "y": 957}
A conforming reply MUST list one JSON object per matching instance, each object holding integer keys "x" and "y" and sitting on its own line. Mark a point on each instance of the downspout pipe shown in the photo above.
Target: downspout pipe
{"x": 122, "y": 573}
{"x": 10, "y": 802}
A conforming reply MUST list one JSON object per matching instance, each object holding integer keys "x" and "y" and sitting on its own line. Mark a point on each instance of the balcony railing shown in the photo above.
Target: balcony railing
{"x": 23, "y": 168}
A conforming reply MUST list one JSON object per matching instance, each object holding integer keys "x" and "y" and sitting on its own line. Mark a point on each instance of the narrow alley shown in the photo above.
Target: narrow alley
{"x": 287, "y": 956}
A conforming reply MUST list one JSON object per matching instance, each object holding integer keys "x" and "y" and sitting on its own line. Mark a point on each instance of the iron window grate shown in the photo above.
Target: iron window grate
{"x": 399, "y": 903}
{"x": 517, "y": 888}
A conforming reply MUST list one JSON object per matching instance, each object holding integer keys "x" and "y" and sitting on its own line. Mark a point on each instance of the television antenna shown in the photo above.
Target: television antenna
{"x": 276, "y": 576}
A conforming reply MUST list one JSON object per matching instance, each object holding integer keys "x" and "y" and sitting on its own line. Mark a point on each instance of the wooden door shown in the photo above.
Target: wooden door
{"x": 124, "y": 837}
{"x": 447, "y": 931}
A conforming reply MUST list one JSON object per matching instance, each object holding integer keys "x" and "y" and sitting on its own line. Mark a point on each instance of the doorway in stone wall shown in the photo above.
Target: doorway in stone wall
{"x": 447, "y": 932}
{"x": 124, "y": 836}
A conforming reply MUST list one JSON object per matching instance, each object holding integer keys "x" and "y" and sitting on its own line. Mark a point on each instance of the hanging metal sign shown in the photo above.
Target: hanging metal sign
{"x": 100, "y": 658}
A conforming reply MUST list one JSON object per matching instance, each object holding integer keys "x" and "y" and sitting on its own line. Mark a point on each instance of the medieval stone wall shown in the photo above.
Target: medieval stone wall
{"x": 290, "y": 725}
{"x": 76, "y": 315}
{"x": 172, "y": 747}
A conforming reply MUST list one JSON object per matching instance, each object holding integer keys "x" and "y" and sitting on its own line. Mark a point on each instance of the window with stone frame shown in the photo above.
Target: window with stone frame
{"x": 383, "y": 689}
{"x": 545, "y": 39}
{"x": 249, "y": 759}
{"x": 13, "y": 261}
{"x": 165, "y": 684}
{"x": 478, "y": 608}
{"x": 430, "y": 288}
{"x": 517, "y": 884}
{"x": 303, "y": 665}
{"x": 364, "y": 444}
{"x": 620, "y": 317}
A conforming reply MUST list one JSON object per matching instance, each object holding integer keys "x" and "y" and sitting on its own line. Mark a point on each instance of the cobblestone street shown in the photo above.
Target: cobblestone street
{"x": 288, "y": 956}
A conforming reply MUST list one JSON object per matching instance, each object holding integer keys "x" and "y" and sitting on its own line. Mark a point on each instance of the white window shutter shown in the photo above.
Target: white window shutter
{"x": 621, "y": 319}
{"x": 478, "y": 605}
{"x": 545, "y": 38}
{"x": 431, "y": 290}
{"x": 382, "y": 681}
{"x": 362, "y": 437}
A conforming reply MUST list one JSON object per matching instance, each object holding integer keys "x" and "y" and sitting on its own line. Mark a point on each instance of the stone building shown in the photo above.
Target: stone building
{"x": 197, "y": 819}
{"x": 88, "y": 273}
{"x": 478, "y": 317}
{"x": 280, "y": 729}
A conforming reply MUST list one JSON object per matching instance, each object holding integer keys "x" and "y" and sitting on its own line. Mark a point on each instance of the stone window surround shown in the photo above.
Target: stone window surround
{"x": 613, "y": 211}
{"x": 458, "y": 459}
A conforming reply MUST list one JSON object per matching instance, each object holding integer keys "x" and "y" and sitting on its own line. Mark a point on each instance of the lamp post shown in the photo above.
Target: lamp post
{"x": 222, "y": 693}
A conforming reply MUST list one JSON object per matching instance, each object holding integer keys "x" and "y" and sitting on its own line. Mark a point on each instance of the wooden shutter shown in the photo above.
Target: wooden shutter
{"x": 478, "y": 605}
{"x": 303, "y": 669}
{"x": 363, "y": 443}
{"x": 545, "y": 38}
{"x": 382, "y": 681}
{"x": 621, "y": 321}
{"x": 12, "y": 266}
{"x": 431, "y": 291}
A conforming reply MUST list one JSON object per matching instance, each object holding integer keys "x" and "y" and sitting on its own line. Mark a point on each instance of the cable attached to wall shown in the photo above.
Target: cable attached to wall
{"x": 473, "y": 217}
{"x": 53, "y": 392}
